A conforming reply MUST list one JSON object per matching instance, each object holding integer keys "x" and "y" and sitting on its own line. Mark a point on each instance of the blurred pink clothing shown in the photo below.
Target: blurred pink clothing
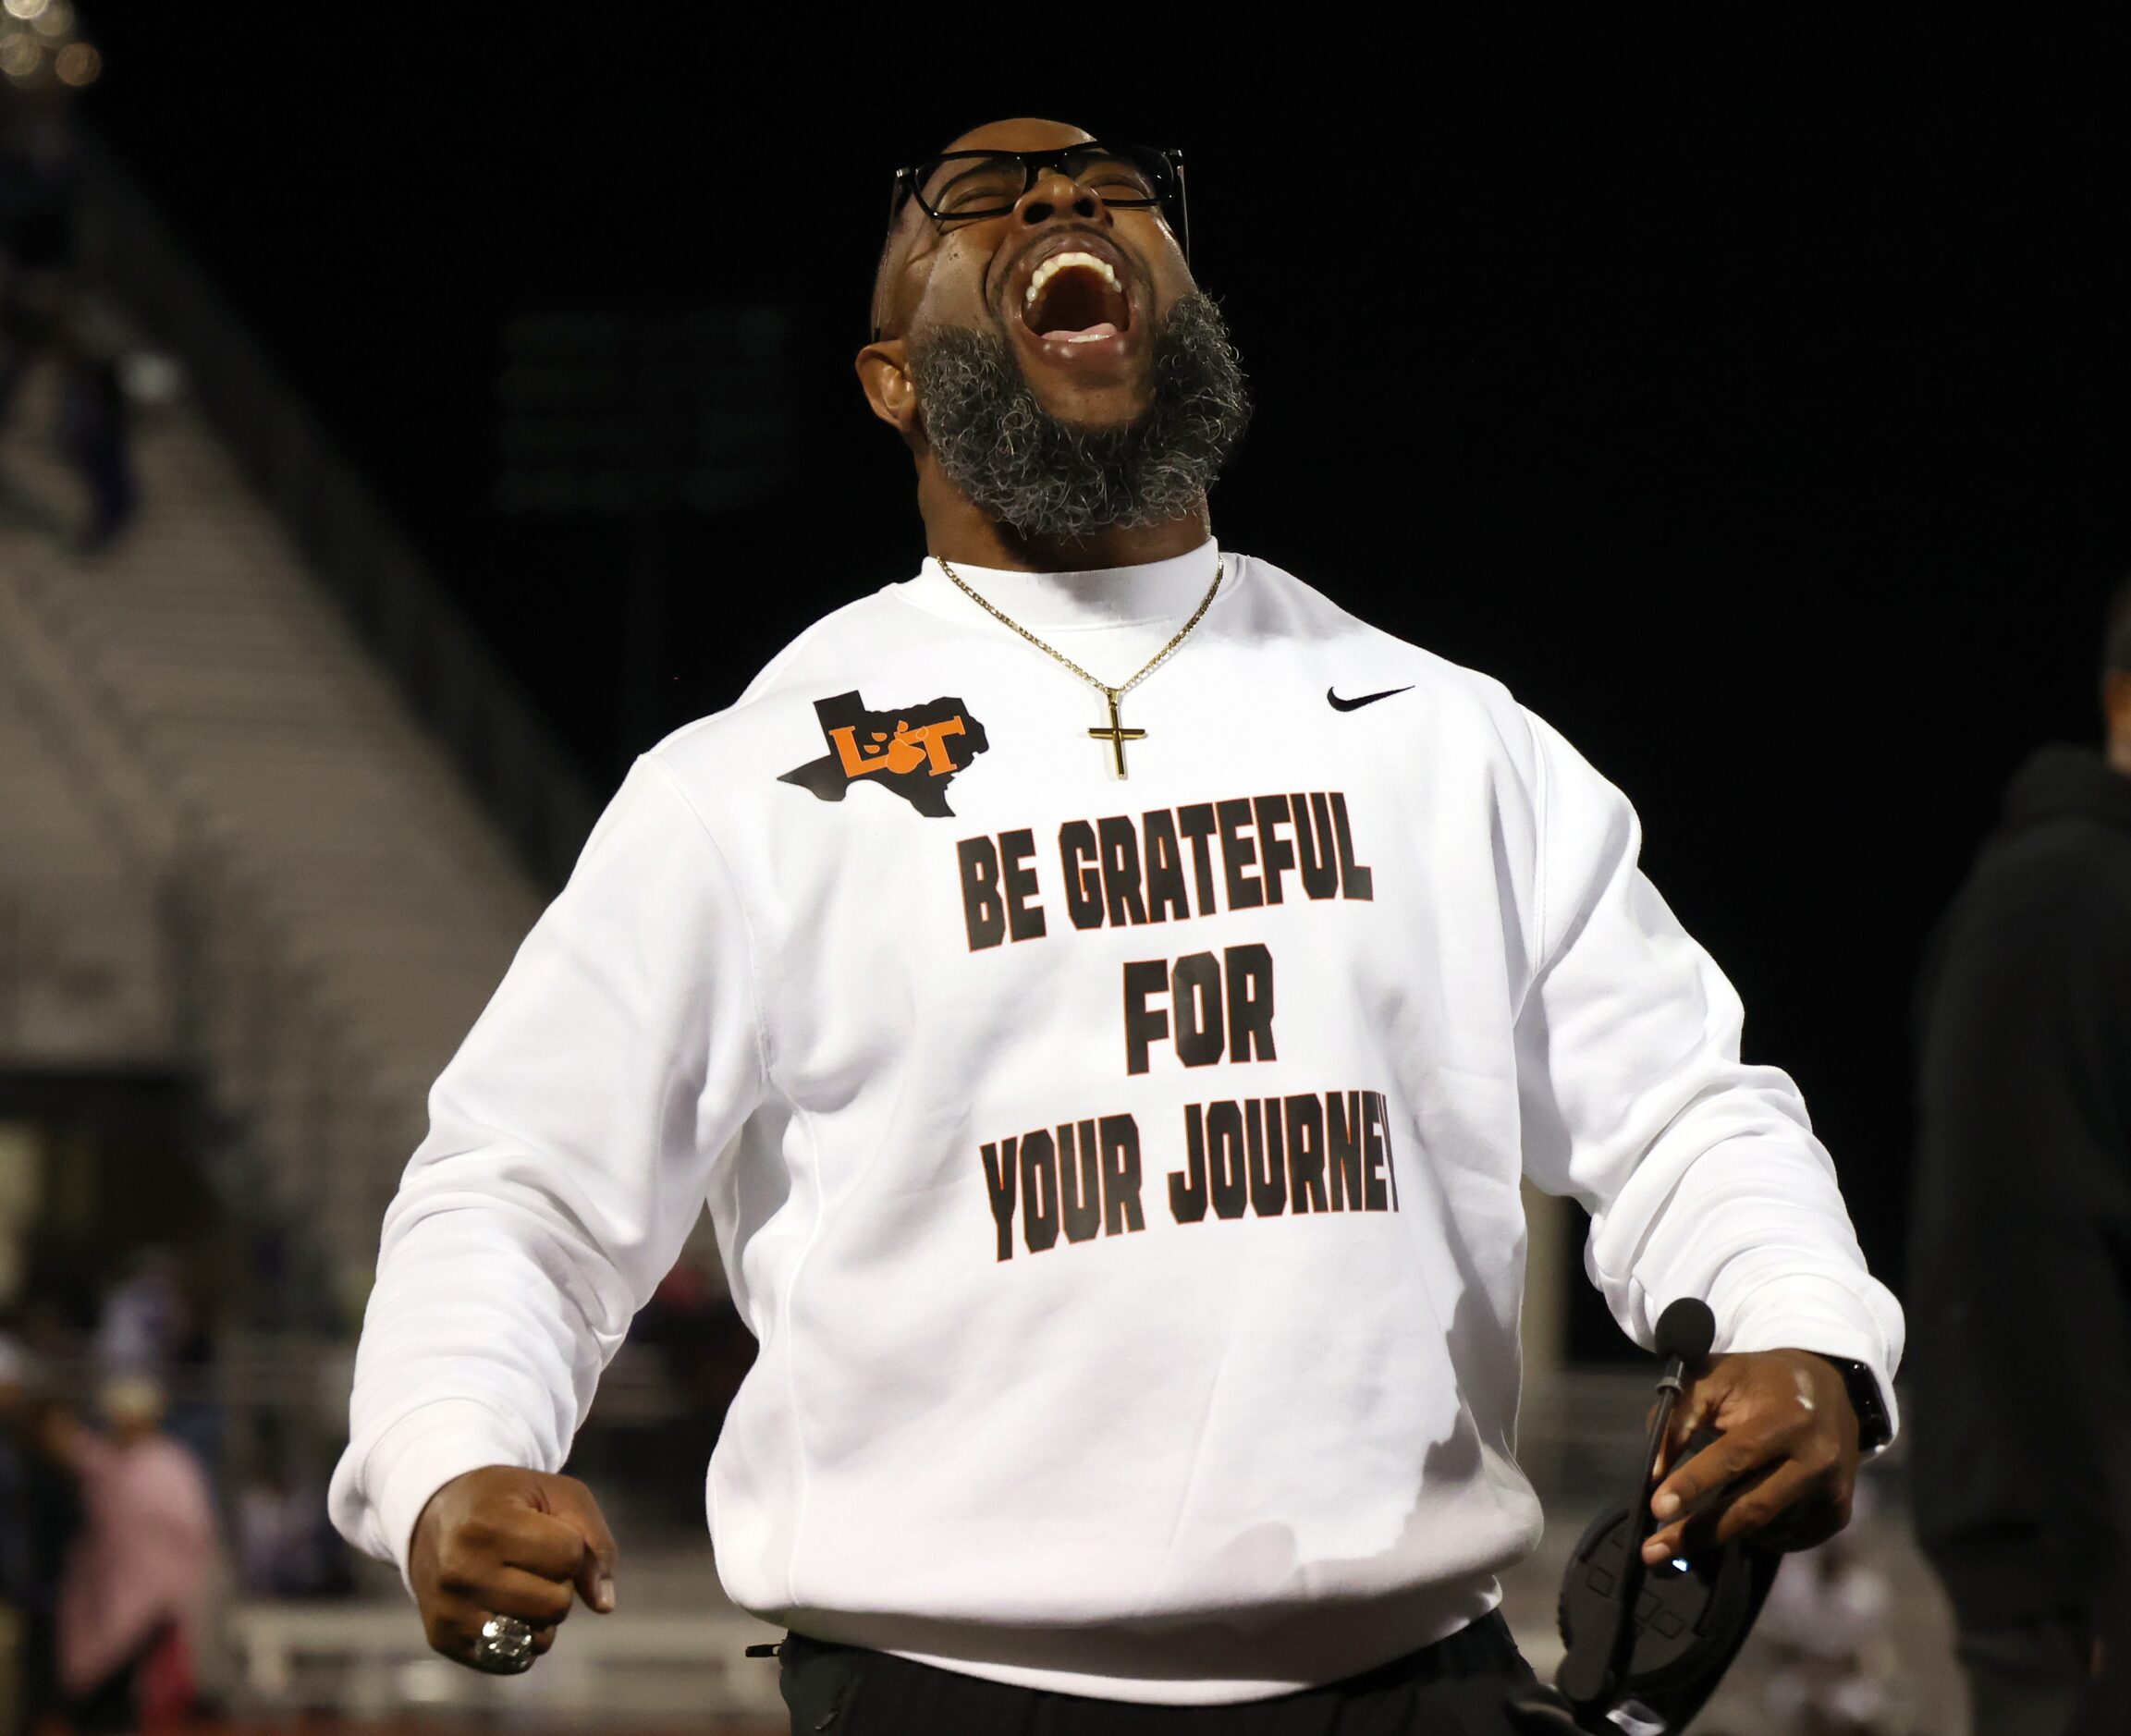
{"x": 142, "y": 1560}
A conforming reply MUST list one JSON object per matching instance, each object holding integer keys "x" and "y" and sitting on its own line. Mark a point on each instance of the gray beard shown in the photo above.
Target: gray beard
{"x": 1052, "y": 480}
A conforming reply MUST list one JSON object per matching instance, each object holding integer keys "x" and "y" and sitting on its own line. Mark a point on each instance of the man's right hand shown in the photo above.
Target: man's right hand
{"x": 503, "y": 1541}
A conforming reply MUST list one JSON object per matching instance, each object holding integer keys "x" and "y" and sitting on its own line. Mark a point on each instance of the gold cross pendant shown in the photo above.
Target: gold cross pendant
{"x": 1117, "y": 735}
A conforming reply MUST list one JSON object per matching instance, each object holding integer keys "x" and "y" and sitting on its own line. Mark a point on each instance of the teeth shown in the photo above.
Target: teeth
{"x": 1058, "y": 263}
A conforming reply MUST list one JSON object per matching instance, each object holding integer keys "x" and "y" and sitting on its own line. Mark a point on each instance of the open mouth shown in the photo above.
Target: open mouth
{"x": 1075, "y": 297}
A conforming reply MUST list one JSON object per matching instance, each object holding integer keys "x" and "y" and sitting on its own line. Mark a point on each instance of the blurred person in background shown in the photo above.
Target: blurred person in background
{"x": 147, "y": 1320}
{"x": 129, "y": 1607}
{"x": 155, "y": 1322}
{"x": 39, "y": 1513}
{"x": 286, "y": 1545}
{"x": 2020, "y": 1235}
{"x": 45, "y": 315}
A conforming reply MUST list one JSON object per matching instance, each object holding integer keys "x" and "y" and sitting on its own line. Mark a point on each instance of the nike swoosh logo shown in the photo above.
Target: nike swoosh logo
{"x": 1366, "y": 699}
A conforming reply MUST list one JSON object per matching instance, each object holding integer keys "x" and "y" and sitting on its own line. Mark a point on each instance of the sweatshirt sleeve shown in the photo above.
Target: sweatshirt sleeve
{"x": 568, "y": 1152}
{"x": 1701, "y": 1174}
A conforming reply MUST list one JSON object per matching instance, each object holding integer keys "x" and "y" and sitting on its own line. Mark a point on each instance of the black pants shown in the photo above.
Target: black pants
{"x": 114, "y": 1704}
{"x": 1461, "y": 1686}
{"x": 36, "y": 1672}
{"x": 2026, "y": 1678}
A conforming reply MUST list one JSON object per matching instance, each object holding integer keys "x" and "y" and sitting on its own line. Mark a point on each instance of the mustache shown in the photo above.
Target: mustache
{"x": 1050, "y": 479}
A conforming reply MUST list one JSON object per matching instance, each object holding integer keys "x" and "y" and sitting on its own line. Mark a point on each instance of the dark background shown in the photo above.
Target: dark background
{"x": 1748, "y": 395}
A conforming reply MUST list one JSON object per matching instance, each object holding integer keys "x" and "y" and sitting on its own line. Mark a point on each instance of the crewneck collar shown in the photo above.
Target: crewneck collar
{"x": 1158, "y": 593}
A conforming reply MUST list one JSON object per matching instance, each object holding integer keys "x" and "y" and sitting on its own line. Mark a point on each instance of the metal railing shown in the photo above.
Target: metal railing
{"x": 511, "y": 762}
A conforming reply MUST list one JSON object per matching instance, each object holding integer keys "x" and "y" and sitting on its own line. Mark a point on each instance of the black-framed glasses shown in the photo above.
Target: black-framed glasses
{"x": 963, "y": 186}
{"x": 958, "y": 185}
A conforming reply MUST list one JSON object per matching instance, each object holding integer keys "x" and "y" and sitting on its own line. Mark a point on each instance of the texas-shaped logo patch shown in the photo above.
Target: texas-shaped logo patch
{"x": 914, "y": 750}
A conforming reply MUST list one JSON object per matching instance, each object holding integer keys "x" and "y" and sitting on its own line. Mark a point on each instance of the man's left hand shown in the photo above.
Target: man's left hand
{"x": 1787, "y": 1456}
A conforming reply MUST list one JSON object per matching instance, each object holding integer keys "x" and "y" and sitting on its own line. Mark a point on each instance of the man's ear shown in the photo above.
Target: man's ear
{"x": 884, "y": 371}
{"x": 2116, "y": 709}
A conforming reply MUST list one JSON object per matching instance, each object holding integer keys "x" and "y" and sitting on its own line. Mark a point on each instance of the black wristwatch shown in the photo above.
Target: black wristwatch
{"x": 1874, "y": 1428}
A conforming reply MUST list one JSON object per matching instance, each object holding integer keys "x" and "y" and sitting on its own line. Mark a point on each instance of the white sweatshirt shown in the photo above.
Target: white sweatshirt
{"x": 1121, "y": 1178}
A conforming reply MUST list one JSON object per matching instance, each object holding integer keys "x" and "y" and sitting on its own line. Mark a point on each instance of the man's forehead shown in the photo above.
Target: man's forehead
{"x": 1025, "y": 134}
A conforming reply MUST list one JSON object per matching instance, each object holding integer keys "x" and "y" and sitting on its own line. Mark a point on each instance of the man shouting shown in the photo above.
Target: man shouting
{"x": 1108, "y": 997}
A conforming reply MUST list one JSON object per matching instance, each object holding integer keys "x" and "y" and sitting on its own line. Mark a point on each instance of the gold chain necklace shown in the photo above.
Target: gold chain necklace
{"x": 1117, "y": 735}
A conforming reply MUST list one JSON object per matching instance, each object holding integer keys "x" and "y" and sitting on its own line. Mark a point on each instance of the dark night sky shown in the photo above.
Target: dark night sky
{"x": 1753, "y": 403}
